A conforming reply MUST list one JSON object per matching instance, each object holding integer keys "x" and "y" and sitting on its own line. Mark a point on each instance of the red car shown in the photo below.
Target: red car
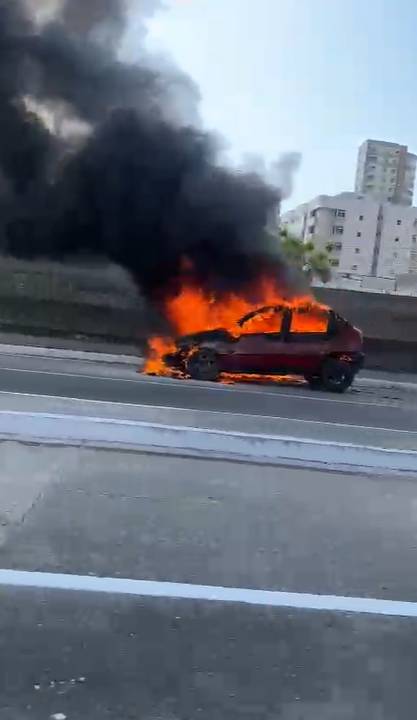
{"x": 315, "y": 343}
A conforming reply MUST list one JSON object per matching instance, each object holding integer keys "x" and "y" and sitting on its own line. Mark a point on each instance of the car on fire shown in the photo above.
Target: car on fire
{"x": 312, "y": 341}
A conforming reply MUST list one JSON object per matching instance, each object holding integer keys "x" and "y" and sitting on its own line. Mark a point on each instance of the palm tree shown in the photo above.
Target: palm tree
{"x": 303, "y": 255}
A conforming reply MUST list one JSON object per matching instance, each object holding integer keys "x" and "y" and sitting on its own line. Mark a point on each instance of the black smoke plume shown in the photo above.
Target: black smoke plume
{"x": 95, "y": 156}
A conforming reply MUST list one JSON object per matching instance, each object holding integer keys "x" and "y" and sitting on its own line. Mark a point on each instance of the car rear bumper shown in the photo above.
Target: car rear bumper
{"x": 356, "y": 360}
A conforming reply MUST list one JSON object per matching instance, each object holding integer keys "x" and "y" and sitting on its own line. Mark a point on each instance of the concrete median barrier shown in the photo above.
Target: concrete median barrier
{"x": 128, "y": 434}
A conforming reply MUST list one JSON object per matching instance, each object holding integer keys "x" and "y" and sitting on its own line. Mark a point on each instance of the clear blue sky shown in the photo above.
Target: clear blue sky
{"x": 315, "y": 76}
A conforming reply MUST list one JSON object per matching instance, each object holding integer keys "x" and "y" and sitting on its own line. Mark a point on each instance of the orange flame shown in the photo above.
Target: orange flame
{"x": 158, "y": 347}
{"x": 193, "y": 309}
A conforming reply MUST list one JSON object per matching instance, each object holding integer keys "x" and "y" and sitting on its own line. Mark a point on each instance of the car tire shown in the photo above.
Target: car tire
{"x": 203, "y": 365}
{"x": 336, "y": 375}
{"x": 314, "y": 381}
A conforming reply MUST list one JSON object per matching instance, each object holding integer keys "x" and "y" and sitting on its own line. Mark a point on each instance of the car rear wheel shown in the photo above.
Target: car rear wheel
{"x": 203, "y": 365}
{"x": 336, "y": 376}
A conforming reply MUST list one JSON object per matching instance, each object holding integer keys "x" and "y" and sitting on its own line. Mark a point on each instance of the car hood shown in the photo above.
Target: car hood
{"x": 203, "y": 336}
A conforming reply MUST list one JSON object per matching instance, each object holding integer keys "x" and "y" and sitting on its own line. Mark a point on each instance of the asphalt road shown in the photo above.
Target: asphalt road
{"x": 209, "y": 522}
{"x": 72, "y": 655}
{"x": 170, "y": 660}
{"x": 383, "y": 407}
{"x": 104, "y": 513}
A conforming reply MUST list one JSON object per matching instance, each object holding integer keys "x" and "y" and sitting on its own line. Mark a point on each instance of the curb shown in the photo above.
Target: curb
{"x": 62, "y": 354}
{"x": 46, "y": 428}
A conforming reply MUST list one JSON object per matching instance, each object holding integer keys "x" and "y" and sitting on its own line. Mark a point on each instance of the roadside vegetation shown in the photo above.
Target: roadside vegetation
{"x": 305, "y": 257}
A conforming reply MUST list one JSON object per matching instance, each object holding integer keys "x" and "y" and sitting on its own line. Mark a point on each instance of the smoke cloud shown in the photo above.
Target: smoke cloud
{"x": 95, "y": 157}
{"x": 279, "y": 173}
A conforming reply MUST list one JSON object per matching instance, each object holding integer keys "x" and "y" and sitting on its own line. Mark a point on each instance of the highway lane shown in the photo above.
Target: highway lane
{"x": 73, "y": 654}
{"x": 86, "y": 657}
{"x": 208, "y": 522}
{"x": 372, "y": 407}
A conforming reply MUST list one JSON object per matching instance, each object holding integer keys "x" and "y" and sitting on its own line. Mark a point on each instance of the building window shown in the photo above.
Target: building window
{"x": 361, "y": 217}
{"x": 330, "y": 247}
{"x": 397, "y": 240}
{"x": 334, "y": 263}
{"x": 337, "y": 230}
{"x": 311, "y": 229}
{"x": 414, "y": 238}
{"x": 358, "y": 234}
{"x": 341, "y": 213}
{"x": 354, "y": 267}
{"x": 357, "y": 250}
{"x": 398, "y": 222}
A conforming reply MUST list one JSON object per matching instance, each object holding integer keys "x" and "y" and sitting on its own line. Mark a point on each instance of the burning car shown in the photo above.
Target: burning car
{"x": 308, "y": 339}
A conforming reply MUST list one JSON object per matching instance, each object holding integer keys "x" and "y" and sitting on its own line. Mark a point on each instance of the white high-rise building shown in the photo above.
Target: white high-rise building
{"x": 386, "y": 171}
{"x": 362, "y": 236}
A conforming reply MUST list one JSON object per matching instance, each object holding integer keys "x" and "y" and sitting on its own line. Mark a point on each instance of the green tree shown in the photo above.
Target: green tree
{"x": 304, "y": 256}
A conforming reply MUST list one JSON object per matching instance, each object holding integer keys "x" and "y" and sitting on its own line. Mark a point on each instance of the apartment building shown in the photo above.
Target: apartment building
{"x": 363, "y": 236}
{"x": 386, "y": 171}
{"x": 396, "y": 247}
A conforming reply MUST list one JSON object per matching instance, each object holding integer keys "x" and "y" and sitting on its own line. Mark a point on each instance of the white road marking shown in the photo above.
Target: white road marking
{"x": 142, "y": 406}
{"x": 183, "y": 591}
{"x": 189, "y": 385}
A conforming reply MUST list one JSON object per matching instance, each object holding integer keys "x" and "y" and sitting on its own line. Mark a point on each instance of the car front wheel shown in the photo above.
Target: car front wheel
{"x": 336, "y": 375}
{"x": 203, "y": 365}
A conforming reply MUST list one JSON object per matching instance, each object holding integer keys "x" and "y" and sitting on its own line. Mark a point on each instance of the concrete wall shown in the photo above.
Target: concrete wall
{"x": 99, "y": 300}
{"x": 92, "y": 299}
{"x": 389, "y": 324}
{"x": 90, "y": 282}
{"x": 382, "y": 316}
{"x": 392, "y": 355}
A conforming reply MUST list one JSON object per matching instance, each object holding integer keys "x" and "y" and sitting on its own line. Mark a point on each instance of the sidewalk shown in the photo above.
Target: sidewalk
{"x": 34, "y": 345}
{"x": 70, "y": 349}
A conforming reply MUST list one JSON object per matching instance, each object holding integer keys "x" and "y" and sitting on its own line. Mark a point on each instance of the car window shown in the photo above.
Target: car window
{"x": 267, "y": 320}
{"x": 309, "y": 321}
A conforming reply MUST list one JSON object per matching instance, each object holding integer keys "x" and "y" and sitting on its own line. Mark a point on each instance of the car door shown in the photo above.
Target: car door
{"x": 307, "y": 340}
{"x": 259, "y": 348}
